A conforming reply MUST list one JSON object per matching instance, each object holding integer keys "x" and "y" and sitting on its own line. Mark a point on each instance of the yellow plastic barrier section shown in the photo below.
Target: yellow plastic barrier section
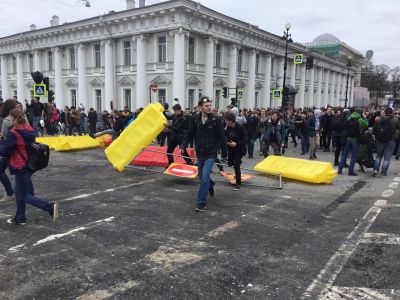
{"x": 298, "y": 169}
{"x": 72, "y": 143}
{"x": 138, "y": 135}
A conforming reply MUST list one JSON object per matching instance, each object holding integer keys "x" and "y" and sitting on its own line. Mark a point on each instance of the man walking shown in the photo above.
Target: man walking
{"x": 207, "y": 131}
{"x": 274, "y": 135}
{"x": 311, "y": 127}
{"x": 37, "y": 114}
{"x": 92, "y": 121}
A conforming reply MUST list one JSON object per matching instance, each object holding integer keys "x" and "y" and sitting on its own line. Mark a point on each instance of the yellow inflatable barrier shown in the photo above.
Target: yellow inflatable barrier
{"x": 72, "y": 143}
{"x": 298, "y": 169}
{"x": 138, "y": 135}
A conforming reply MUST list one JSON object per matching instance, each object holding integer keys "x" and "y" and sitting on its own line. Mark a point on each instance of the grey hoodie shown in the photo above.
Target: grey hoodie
{"x": 240, "y": 120}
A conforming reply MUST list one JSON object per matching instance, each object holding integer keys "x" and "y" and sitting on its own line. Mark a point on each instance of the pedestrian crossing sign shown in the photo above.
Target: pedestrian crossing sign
{"x": 277, "y": 94}
{"x": 298, "y": 59}
{"x": 39, "y": 90}
{"x": 240, "y": 93}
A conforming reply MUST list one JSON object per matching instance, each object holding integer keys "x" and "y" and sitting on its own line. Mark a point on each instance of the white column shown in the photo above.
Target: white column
{"x": 252, "y": 81}
{"x": 58, "y": 81}
{"x": 267, "y": 83}
{"x": 179, "y": 82}
{"x": 293, "y": 75}
{"x": 20, "y": 77}
{"x": 280, "y": 62}
{"x": 209, "y": 69}
{"x": 318, "y": 95}
{"x": 326, "y": 88}
{"x": 4, "y": 78}
{"x": 232, "y": 65}
{"x": 109, "y": 86}
{"x": 141, "y": 82}
{"x": 82, "y": 79}
{"x": 37, "y": 61}
{"x": 302, "y": 89}
{"x": 332, "y": 94}
{"x": 310, "y": 100}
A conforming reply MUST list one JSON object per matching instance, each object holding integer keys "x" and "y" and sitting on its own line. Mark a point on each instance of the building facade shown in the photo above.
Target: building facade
{"x": 185, "y": 49}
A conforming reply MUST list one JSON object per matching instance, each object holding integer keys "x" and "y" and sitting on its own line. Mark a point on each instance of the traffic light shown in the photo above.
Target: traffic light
{"x": 310, "y": 63}
{"x": 51, "y": 96}
{"x": 46, "y": 81}
{"x": 37, "y": 77}
{"x": 225, "y": 92}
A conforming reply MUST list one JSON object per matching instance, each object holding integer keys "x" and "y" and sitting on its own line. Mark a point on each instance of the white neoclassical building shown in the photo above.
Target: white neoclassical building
{"x": 185, "y": 49}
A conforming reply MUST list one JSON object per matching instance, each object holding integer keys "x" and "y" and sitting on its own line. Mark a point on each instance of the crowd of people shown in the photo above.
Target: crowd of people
{"x": 351, "y": 135}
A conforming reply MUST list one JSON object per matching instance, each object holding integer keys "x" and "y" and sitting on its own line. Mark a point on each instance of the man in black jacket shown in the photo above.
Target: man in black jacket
{"x": 326, "y": 124}
{"x": 207, "y": 131}
{"x": 92, "y": 116}
{"x": 236, "y": 138}
{"x": 178, "y": 128}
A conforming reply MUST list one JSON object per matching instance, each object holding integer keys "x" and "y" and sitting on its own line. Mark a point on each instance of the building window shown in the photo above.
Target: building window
{"x": 239, "y": 60}
{"x": 73, "y": 98}
{"x": 97, "y": 96}
{"x": 127, "y": 98}
{"x": 162, "y": 95}
{"x": 218, "y": 56}
{"x": 14, "y": 64}
{"x": 50, "y": 60}
{"x": 72, "y": 58}
{"x": 15, "y": 93}
{"x": 257, "y": 64}
{"x": 257, "y": 100}
{"x": 127, "y": 53}
{"x": 30, "y": 62}
{"x": 191, "y": 99}
{"x": 97, "y": 56}
{"x": 162, "y": 49}
{"x": 191, "y": 51}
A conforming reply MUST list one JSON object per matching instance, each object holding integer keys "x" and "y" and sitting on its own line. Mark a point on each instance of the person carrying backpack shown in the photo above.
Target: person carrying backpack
{"x": 354, "y": 126}
{"x": 385, "y": 132}
{"x": 16, "y": 146}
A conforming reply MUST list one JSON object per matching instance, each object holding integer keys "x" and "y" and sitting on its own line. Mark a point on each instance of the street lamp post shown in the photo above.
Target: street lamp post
{"x": 346, "y": 100}
{"x": 288, "y": 39}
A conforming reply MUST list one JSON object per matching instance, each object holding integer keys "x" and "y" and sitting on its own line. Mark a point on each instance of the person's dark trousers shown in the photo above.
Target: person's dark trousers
{"x": 4, "y": 178}
{"x": 250, "y": 146}
{"x": 235, "y": 160}
{"x": 71, "y": 128}
{"x": 385, "y": 151}
{"x": 326, "y": 139}
{"x": 92, "y": 129}
{"x": 171, "y": 147}
{"x": 350, "y": 145}
{"x": 204, "y": 168}
{"x": 24, "y": 194}
{"x": 305, "y": 143}
{"x": 339, "y": 142}
{"x": 292, "y": 133}
{"x": 163, "y": 137}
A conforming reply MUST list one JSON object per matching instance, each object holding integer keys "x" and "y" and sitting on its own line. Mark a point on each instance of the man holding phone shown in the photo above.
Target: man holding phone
{"x": 207, "y": 131}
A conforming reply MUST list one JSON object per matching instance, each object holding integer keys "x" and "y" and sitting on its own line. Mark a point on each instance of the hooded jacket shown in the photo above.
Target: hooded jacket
{"x": 15, "y": 147}
{"x": 241, "y": 120}
{"x": 355, "y": 132}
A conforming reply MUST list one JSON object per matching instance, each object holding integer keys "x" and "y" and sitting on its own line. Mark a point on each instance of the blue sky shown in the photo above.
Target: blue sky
{"x": 362, "y": 24}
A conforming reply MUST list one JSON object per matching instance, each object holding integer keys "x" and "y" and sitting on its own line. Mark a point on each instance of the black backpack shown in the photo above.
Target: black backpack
{"x": 383, "y": 130}
{"x": 352, "y": 128}
{"x": 38, "y": 155}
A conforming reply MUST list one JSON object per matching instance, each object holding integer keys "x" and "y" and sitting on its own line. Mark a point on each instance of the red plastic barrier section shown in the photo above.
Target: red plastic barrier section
{"x": 154, "y": 159}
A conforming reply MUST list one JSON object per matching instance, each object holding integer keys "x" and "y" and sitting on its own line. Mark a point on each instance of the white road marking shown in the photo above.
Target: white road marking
{"x": 5, "y": 216}
{"x": 393, "y": 185}
{"x": 321, "y": 285}
{"x": 104, "y": 294}
{"x": 54, "y": 237}
{"x": 82, "y": 196}
{"x": 393, "y": 205}
{"x": 396, "y": 179}
{"x": 381, "y": 203}
{"x": 387, "y": 193}
{"x": 286, "y": 197}
{"x": 350, "y": 293}
{"x": 223, "y": 229}
{"x": 381, "y": 238}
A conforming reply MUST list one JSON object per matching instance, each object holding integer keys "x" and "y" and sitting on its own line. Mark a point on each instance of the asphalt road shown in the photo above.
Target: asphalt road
{"x": 135, "y": 235}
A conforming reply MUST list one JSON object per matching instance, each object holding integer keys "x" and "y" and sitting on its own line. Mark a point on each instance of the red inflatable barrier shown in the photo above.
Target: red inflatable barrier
{"x": 155, "y": 159}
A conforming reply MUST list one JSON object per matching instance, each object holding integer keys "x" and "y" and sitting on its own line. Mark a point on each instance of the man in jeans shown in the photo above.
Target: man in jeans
{"x": 37, "y": 113}
{"x": 385, "y": 131}
{"x": 354, "y": 126}
{"x": 208, "y": 134}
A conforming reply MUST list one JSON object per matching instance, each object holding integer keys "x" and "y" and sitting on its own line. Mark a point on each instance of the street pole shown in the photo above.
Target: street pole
{"x": 346, "y": 100}
{"x": 287, "y": 37}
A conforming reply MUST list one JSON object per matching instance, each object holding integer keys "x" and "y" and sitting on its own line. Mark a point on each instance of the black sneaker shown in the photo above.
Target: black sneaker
{"x": 54, "y": 213}
{"x": 353, "y": 174}
{"x": 200, "y": 207}
{"x": 16, "y": 222}
{"x": 211, "y": 191}
{"x": 236, "y": 187}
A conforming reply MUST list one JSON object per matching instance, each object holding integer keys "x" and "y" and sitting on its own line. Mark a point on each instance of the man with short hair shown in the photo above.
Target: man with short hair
{"x": 274, "y": 135}
{"x": 207, "y": 131}
{"x": 37, "y": 114}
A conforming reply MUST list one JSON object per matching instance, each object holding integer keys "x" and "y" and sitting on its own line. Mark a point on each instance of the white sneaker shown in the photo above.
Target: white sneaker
{"x": 7, "y": 199}
{"x": 55, "y": 212}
